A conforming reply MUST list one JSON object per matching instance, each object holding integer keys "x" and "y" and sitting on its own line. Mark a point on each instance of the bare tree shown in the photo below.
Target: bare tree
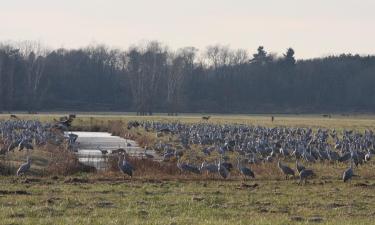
{"x": 181, "y": 64}
{"x": 218, "y": 55}
{"x": 174, "y": 81}
{"x": 133, "y": 62}
{"x": 2, "y": 56}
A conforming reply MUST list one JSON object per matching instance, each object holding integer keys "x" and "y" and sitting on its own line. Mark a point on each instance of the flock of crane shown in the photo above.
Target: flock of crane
{"x": 250, "y": 145}
{"x": 256, "y": 144}
{"x": 17, "y": 134}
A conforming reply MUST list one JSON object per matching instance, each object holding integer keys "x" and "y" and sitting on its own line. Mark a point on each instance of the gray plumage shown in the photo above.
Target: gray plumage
{"x": 348, "y": 174}
{"x": 287, "y": 171}
{"x": 304, "y": 174}
{"x": 224, "y": 173}
{"x": 209, "y": 168}
{"x": 299, "y": 167}
{"x": 245, "y": 171}
{"x": 24, "y": 167}
{"x": 125, "y": 167}
{"x": 184, "y": 167}
{"x": 368, "y": 156}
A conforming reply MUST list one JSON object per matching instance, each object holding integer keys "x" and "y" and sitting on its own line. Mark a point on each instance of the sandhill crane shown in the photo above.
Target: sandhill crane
{"x": 304, "y": 174}
{"x": 224, "y": 173}
{"x": 345, "y": 157}
{"x": 24, "y": 167}
{"x": 245, "y": 171}
{"x": 299, "y": 167}
{"x": 12, "y": 116}
{"x": 147, "y": 155}
{"x": 227, "y": 165}
{"x": 185, "y": 167}
{"x": 206, "y": 117}
{"x": 209, "y": 168}
{"x": 287, "y": 171}
{"x": 25, "y": 144}
{"x": 13, "y": 145}
{"x": 368, "y": 156}
{"x": 348, "y": 174}
{"x": 124, "y": 166}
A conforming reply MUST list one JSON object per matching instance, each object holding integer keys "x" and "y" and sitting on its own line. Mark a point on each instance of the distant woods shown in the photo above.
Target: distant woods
{"x": 153, "y": 78}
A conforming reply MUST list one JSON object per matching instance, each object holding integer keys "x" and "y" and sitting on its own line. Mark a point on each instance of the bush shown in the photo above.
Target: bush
{"x": 64, "y": 162}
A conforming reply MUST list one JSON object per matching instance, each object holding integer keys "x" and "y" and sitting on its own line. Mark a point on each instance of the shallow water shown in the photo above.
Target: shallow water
{"x": 94, "y": 148}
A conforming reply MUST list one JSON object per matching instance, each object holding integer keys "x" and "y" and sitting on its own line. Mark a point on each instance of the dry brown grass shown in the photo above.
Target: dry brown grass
{"x": 146, "y": 167}
{"x": 63, "y": 162}
{"x": 6, "y": 167}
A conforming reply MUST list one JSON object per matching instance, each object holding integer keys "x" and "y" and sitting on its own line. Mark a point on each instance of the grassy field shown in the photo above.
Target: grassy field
{"x": 147, "y": 199}
{"x": 150, "y": 201}
{"x": 339, "y": 122}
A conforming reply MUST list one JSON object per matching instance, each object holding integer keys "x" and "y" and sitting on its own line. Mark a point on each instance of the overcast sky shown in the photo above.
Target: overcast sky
{"x": 312, "y": 27}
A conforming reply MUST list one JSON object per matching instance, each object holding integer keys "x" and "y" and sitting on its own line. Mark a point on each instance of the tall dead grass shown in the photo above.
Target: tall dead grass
{"x": 146, "y": 167}
{"x": 64, "y": 162}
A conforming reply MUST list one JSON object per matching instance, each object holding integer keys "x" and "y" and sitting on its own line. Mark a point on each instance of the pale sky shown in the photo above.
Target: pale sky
{"x": 312, "y": 27}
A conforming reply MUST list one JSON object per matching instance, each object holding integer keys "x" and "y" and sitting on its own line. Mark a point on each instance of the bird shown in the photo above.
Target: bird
{"x": 224, "y": 173}
{"x": 227, "y": 165}
{"x": 348, "y": 174}
{"x": 345, "y": 157}
{"x": 24, "y": 167}
{"x": 185, "y": 167}
{"x": 147, "y": 155}
{"x": 304, "y": 174}
{"x": 287, "y": 171}
{"x": 25, "y": 144}
{"x": 299, "y": 167}
{"x": 368, "y": 156}
{"x": 12, "y": 116}
{"x": 245, "y": 171}
{"x": 206, "y": 117}
{"x": 12, "y": 146}
{"x": 124, "y": 166}
{"x": 209, "y": 168}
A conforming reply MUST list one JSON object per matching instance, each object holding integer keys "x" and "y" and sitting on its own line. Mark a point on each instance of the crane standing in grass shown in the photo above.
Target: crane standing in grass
{"x": 245, "y": 171}
{"x": 304, "y": 174}
{"x": 124, "y": 166}
{"x": 185, "y": 167}
{"x": 223, "y": 171}
{"x": 25, "y": 167}
{"x": 287, "y": 171}
{"x": 348, "y": 174}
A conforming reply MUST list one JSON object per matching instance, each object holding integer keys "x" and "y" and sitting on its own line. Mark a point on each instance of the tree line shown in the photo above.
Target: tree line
{"x": 154, "y": 78}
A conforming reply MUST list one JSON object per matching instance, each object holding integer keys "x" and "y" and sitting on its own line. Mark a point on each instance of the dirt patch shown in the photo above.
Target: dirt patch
{"x": 247, "y": 186}
{"x": 105, "y": 204}
{"x": 17, "y": 215}
{"x": 315, "y": 219}
{"x": 360, "y": 184}
{"x": 335, "y": 205}
{"x": 20, "y": 192}
{"x": 30, "y": 180}
{"x": 76, "y": 180}
{"x": 197, "y": 198}
{"x": 297, "y": 218}
{"x": 52, "y": 200}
